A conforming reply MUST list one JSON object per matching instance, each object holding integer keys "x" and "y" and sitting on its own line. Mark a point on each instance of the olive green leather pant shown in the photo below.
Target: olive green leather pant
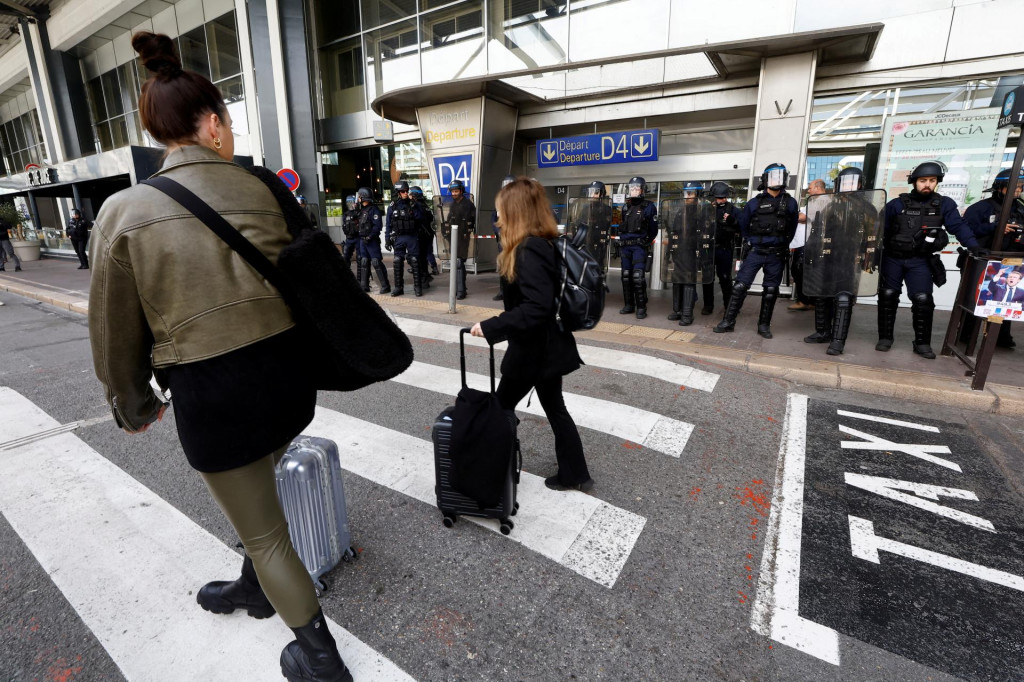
{"x": 248, "y": 497}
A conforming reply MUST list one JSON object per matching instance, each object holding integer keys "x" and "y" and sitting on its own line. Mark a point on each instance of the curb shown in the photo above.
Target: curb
{"x": 900, "y": 385}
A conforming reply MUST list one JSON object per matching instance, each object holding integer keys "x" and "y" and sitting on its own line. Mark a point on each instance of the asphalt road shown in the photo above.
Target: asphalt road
{"x": 896, "y": 560}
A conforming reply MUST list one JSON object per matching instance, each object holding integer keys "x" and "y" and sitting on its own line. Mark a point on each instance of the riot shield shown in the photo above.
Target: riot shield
{"x": 590, "y": 224}
{"x": 467, "y": 245}
{"x": 843, "y": 248}
{"x": 689, "y": 253}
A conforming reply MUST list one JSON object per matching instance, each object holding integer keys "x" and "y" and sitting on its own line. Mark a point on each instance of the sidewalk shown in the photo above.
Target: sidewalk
{"x": 896, "y": 374}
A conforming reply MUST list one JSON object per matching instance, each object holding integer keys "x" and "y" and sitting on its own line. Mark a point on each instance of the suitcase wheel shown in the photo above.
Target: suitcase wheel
{"x": 448, "y": 521}
{"x": 507, "y": 526}
{"x": 350, "y": 555}
{"x": 515, "y": 508}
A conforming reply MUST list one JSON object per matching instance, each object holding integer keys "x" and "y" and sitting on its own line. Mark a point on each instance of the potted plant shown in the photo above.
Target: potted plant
{"x": 24, "y": 239}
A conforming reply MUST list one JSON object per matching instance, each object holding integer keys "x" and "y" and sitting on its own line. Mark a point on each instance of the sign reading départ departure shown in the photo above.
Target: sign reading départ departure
{"x": 630, "y": 146}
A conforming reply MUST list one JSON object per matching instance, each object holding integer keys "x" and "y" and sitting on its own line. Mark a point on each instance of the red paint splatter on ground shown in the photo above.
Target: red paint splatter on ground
{"x": 754, "y": 536}
{"x": 60, "y": 671}
{"x": 756, "y": 499}
{"x": 750, "y": 556}
{"x": 682, "y": 388}
{"x": 694, "y": 492}
{"x": 629, "y": 445}
{"x": 753, "y": 522}
{"x": 743, "y": 597}
{"x": 748, "y": 568}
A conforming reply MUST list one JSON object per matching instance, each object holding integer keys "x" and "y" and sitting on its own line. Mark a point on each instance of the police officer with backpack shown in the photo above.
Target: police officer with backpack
{"x": 369, "y": 226}
{"x": 637, "y": 229}
{"x": 916, "y": 224}
{"x": 402, "y": 234}
{"x": 767, "y": 225}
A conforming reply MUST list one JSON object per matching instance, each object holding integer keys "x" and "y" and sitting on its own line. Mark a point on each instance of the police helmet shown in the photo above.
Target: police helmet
{"x": 849, "y": 180}
{"x": 363, "y": 194}
{"x": 401, "y": 186}
{"x": 1002, "y": 180}
{"x": 928, "y": 169}
{"x": 636, "y": 188}
{"x": 300, "y": 198}
{"x": 693, "y": 187}
{"x": 596, "y": 190}
{"x": 416, "y": 192}
{"x": 350, "y": 201}
{"x": 775, "y": 176}
{"x": 456, "y": 185}
{"x": 721, "y": 190}
{"x": 507, "y": 180}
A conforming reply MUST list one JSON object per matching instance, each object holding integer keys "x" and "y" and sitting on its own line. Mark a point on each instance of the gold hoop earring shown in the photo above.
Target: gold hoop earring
{"x": 216, "y": 142}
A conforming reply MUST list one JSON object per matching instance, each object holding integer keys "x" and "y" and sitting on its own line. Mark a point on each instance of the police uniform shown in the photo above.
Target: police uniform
{"x": 726, "y": 235}
{"x": 402, "y": 230}
{"x": 637, "y": 229}
{"x": 462, "y": 213}
{"x": 369, "y": 224}
{"x": 350, "y": 227}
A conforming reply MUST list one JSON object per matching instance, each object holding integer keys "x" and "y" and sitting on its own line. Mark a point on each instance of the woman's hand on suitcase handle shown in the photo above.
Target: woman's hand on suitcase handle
{"x": 477, "y": 330}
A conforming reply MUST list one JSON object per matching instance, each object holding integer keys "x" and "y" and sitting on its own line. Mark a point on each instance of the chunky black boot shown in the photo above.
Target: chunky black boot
{"x": 364, "y": 273}
{"x": 382, "y": 275}
{"x": 677, "y": 301}
{"x": 732, "y": 308}
{"x": 460, "y": 279}
{"x": 726, "y": 286}
{"x": 222, "y": 596}
{"x": 627, "y": 293}
{"x": 841, "y": 322}
{"x": 433, "y": 269}
{"x": 689, "y": 301}
{"x": 313, "y": 656}
{"x": 399, "y": 271}
{"x": 640, "y": 291}
{"x": 764, "y": 320}
{"x": 709, "y": 299}
{"x": 822, "y": 321}
{"x": 417, "y": 276}
{"x": 922, "y": 308}
{"x": 888, "y": 304}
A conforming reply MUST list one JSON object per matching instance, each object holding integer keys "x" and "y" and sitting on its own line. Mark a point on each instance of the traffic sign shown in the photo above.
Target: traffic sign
{"x": 32, "y": 167}
{"x": 1012, "y": 113}
{"x": 289, "y": 177}
{"x": 629, "y": 146}
{"x": 456, "y": 167}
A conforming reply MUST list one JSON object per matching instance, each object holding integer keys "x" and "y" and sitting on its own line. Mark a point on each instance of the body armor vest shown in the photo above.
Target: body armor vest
{"x": 402, "y": 222}
{"x": 350, "y": 224}
{"x": 366, "y": 226}
{"x": 724, "y": 232}
{"x": 633, "y": 221}
{"x": 919, "y": 222}
{"x": 770, "y": 218}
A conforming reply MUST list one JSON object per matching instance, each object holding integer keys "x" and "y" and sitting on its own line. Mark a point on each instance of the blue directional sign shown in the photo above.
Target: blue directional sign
{"x": 628, "y": 146}
{"x": 448, "y": 168}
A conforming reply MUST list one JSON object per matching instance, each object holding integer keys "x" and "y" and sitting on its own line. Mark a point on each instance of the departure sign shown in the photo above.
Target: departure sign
{"x": 629, "y": 146}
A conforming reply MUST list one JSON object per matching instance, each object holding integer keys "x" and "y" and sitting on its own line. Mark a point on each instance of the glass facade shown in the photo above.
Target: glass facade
{"x": 21, "y": 143}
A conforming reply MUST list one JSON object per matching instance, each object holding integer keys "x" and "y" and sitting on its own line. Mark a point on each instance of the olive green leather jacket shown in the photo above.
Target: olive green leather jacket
{"x": 166, "y": 290}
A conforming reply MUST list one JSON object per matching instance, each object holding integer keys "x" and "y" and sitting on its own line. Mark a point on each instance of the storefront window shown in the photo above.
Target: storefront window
{"x": 405, "y": 161}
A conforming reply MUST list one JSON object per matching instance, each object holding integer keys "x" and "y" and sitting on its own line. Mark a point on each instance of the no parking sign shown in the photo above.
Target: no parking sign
{"x": 289, "y": 177}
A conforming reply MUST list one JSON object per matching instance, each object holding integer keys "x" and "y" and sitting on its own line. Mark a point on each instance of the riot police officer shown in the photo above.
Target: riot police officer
{"x": 369, "y": 225}
{"x": 767, "y": 225}
{"x": 507, "y": 180}
{"x": 462, "y": 213}
{"x": 913, "y": 237}
{"x": 402, "y": 234}
{"x": 350, "y": 227}
{"x": 690, "y": 251}
{"x": 598, "y": 223}
{"x": 426, "y": 235}
{"x": 638, "y": 228}
{"x": 726, "y": 239}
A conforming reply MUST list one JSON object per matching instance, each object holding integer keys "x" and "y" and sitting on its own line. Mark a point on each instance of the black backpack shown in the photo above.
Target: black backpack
{"x": 580, "y": 287}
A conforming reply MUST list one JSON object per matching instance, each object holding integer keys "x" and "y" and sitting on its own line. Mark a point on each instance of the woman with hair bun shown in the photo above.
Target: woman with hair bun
{"x": 539, "y": 352}
{"x": 169, "y": 296}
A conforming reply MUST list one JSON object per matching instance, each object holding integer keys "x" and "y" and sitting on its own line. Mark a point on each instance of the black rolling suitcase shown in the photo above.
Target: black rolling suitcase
{"x": 449, "y": 500}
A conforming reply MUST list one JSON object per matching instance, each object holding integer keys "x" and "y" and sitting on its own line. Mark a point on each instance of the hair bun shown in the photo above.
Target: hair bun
{"x": 156, "y": 51}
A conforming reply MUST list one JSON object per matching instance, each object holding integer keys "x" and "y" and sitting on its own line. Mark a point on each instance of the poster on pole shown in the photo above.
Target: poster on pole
{"x": 1001, "y": 291}
{"x": 969, "y": 143}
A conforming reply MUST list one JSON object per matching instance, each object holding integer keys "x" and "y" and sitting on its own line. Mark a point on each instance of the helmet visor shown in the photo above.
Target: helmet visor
{"x": 776, "y": 177}
{"x": 635, "y": 190}
{"x": 593, "y": 193}
{"x": 848, "y": 183}
{"x": 351, "y": 203}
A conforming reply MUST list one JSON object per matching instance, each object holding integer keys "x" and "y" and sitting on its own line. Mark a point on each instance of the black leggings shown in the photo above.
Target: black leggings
{"x": 572, "y": 465}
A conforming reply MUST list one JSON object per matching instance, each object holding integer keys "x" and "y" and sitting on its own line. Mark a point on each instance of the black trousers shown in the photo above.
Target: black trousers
{"x": 80, "y": 251}
{"x": 572, "y": 465}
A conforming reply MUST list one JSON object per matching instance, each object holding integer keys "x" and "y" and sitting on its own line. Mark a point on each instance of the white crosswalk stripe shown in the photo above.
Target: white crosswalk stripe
{"x": 129, "y": 562}
{"x": 579, "y": 531}
{"x": 651, "y": 430}
{"x": 594, "y": 356}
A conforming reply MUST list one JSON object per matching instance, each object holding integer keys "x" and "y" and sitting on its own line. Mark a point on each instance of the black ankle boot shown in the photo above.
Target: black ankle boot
{"x": 708, "y": 306}
{"x": 221, "y": 596}
{"x": 677, "y": 299}
{"x": 822, "y": 321}
{"x": 764, "y": 320}
{"x": 689, "y": 301}
{"x": 732, "y": 309}
{"x": 313, "y": 656}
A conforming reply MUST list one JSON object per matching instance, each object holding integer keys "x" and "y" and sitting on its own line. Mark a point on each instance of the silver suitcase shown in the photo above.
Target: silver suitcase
{"x": 310, "y": 488}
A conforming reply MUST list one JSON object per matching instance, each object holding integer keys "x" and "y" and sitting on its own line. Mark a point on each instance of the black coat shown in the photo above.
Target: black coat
{"x": 537, "y": 348}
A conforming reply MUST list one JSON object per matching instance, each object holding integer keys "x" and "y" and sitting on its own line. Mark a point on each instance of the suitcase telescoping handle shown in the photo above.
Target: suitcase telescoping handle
{"x": 462, "y": 357}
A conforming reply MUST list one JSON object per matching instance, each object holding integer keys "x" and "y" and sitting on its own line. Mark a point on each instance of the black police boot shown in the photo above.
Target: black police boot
{"x": 726, "y": 286}
{"x": 709, "y": 299}
{"x": 399, "y": 288}
{"x": 732, "y": 309}
{"x": 313, "y": 656}
{"x": 888, "y": 304}
{"x": 764, "y": 320}
{"x": 222, "y": 596}
{"x": 689, "y": 301}
{"x": 627, "y": 293}
{"x": 840, "y": 322}
{"x": 460, "y": 279}
{"x": 417, "y": 276}
{"x": 677, "y": 301}
{"x": 382, "y": 275}
{"x": 922, "y": 308}
{"x": 433, "y": 269}
{"x": 822, "y": 321}
{"x": 640, "y": 291}
{"x": 364, "y": 273}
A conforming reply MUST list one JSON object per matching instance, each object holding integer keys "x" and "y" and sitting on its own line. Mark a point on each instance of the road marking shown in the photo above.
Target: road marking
{"x": 886, "y": 420}
{"x": 920, "y": 450}
{"x": 662, "y": 434}
{"x": 578, "y": 531}
{"x": 129, "y": 563}
{"x": 891, "y": 488}
{"x": 776, "y": 609}
{"x": 595, "y": 356}
{"x": 55, "y": 431}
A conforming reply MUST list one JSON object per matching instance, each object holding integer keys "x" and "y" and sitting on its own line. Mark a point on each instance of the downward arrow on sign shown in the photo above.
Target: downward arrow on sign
{"x": 641, "y": 146}
{"x": 549, "y": 152}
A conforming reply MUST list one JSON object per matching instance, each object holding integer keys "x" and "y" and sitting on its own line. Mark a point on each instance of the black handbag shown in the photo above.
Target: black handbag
{"x": 352, "y": 341}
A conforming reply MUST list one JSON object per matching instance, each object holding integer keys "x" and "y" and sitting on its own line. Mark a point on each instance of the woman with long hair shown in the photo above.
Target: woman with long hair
{"x": 539, "y": 352}
{"x": 168, "y": 295}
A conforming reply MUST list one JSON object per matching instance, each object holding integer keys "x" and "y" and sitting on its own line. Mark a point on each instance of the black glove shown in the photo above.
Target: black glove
{"x": 979, "y": 252}
{"x": 389, "y": 244}
{"x": 368, "y": 239}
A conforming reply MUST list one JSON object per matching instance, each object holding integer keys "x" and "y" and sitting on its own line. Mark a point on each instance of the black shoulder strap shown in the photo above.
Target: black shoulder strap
{"x": 223, "y": 229}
